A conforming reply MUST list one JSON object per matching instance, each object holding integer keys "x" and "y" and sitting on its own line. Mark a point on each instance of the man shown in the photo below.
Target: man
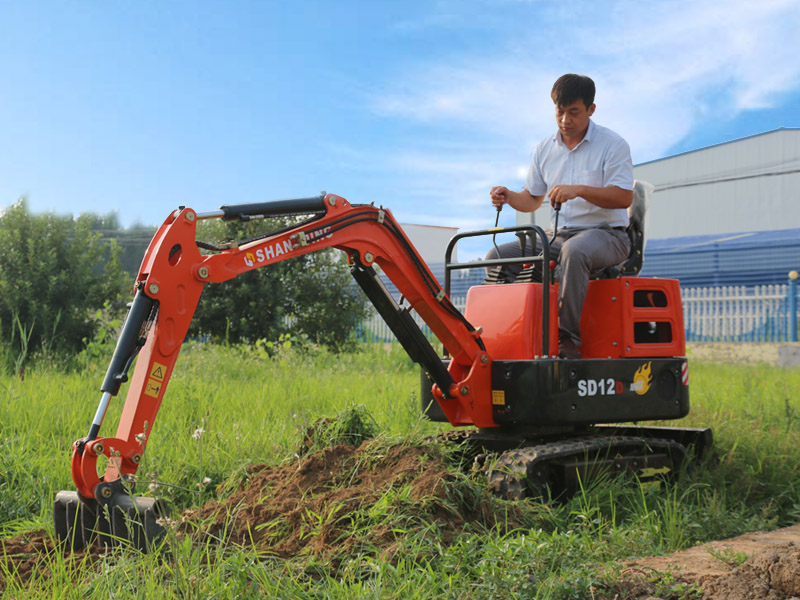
{"x": 587, "y": 174}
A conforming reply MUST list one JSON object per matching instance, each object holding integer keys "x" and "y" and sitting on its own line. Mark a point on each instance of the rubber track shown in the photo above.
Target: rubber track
{"x": 521, "y": 473}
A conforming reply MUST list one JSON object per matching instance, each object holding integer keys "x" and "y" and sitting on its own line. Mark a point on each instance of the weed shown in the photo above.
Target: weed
{"x": 728, "y": 555}
{"x": 352, "y": 427}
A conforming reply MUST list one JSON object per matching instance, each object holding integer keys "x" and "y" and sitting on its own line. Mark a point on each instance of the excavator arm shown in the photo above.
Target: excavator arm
{"x": 168, "y": 288}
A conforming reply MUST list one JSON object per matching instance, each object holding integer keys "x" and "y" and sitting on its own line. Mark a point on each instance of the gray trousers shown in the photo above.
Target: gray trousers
{"x": 579, "y": 253}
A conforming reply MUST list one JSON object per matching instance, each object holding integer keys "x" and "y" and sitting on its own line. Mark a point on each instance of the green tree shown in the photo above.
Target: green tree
{"x": 328, "y": 305}
{"x": 55, "y": 274}
{"x": 132, "y": 240}
{"x": 315, "y": 290}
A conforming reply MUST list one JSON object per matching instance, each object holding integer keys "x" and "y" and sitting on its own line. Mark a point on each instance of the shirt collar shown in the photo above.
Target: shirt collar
{"x": 586, "y": 138}
{"x": 589, "y": 132}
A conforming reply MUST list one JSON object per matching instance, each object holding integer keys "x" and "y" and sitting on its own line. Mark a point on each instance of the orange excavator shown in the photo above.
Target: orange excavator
{"x": 537, "y": 423}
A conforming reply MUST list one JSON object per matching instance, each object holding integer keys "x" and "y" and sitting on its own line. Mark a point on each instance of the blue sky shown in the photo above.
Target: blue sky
{"x": 137, "y": 107}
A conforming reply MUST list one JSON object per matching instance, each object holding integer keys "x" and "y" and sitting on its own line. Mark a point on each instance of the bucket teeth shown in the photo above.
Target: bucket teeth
{"x": 122, "y": 520}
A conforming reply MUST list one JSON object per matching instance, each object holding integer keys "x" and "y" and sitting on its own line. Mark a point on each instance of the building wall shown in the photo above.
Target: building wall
{"x": 430, "y": 240}
{"x": 749, "y": 258}
{"x": 751, "y": 184}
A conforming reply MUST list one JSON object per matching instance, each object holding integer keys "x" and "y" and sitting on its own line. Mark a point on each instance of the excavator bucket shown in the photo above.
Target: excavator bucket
{"x": 121, "y": 520}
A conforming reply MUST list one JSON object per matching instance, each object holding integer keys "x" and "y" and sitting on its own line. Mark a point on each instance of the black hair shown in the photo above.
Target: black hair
{"x": 570, "y": 87}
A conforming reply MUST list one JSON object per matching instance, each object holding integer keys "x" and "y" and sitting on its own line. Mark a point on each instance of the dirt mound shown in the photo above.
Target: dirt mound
{"x": 24, "y": 555}
{"x": 334, "y": 503}
{"x": 341, "y": 501}
{"x": 771, "y": 575}
{"x": 755, "y": 566}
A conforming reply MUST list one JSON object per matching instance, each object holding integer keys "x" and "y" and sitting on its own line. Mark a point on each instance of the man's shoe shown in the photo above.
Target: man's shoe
{"x": 569, "y": 350}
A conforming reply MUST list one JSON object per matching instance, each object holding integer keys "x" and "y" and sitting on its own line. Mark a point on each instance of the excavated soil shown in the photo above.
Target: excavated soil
{"x": 32, "y": 553}
{"x": 311, "y": 506}
{"x": 308, "y": 507}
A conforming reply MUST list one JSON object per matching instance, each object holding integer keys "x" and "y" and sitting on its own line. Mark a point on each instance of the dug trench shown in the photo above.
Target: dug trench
{"x": 347, "y": 500}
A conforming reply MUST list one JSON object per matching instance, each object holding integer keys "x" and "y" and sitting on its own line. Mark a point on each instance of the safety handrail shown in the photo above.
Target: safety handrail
{"x": 543, "y": 258}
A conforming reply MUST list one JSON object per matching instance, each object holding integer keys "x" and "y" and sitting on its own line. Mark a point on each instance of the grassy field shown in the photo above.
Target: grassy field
{"x": 227, "y": 408}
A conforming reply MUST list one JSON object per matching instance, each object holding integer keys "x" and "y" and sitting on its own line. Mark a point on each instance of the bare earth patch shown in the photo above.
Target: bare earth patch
{"x": 313, "y": 506}
{"x": 770, "y": 571}
{"x": 734, "y": 353}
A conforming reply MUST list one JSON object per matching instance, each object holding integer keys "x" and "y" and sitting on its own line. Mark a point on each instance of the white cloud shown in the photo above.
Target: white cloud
{"x": 655, "y": 69}
{"x": 662, "y": 70}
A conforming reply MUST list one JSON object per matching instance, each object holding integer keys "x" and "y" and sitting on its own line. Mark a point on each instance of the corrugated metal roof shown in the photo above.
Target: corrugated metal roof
{"x": 746, "y": 258}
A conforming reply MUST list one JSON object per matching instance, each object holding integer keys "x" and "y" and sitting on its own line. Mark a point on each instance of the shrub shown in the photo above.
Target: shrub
{"x": 55, "y": 273}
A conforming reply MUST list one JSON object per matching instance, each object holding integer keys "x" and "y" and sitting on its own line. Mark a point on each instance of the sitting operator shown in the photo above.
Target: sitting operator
{"x": 587, "y": 173}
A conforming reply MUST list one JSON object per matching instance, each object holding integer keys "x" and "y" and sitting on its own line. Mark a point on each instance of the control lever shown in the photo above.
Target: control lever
{"x": 494, "y": 235}
{"x": 557, "y": 208}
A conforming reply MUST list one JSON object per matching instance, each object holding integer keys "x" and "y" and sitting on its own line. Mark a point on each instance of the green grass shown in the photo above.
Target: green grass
{"x": 255, "y": 409}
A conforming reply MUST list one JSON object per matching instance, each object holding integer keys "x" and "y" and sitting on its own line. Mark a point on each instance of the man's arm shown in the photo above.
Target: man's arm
{"x": 522, "y": 201}
{"x": 604, "y": 197}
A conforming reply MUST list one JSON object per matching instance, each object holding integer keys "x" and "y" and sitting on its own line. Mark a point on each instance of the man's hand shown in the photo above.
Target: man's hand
{"x": 604, "y": 197}
{"x": 559, "y": 194}
{"x": 499, "y": 195}
{"x": 522, "y": 201}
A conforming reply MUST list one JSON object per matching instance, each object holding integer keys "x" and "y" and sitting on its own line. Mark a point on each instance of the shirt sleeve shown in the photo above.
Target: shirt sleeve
{"x": 534, "y": 182}
{"x": 618, "y": 166}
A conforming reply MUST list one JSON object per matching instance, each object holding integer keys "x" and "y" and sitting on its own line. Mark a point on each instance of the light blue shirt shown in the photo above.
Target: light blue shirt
{"x": 601, "y": 159}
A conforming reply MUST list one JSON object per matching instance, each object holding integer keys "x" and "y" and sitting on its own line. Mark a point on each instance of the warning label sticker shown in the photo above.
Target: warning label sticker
{"x": 158, "y": 371}
{"x": 152, "y": 388}
{"x": 498, "y": 397}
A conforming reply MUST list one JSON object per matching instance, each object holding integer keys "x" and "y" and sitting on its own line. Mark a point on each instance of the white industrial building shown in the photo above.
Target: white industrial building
{"x": 745, "y": 185}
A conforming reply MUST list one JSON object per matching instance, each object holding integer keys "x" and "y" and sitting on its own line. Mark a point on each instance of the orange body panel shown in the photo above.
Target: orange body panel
{"x": 632, "y": 317}
{"x": 511, "y": 318}
{"x": 622, "y": 318}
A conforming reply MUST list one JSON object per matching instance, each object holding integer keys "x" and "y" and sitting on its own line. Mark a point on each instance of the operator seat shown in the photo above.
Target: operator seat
{"x": 637, "y": 211}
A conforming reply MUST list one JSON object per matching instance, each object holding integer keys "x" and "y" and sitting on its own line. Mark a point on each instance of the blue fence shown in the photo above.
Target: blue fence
{"x": 767, "y": 313}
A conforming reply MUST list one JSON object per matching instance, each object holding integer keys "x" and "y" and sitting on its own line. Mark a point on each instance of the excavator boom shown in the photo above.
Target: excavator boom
{"x": 167, "y": 290}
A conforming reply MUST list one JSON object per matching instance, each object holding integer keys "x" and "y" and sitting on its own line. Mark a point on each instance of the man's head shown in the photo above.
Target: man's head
{"x": 570, "y": 88}
{"x": 573, "y": 96}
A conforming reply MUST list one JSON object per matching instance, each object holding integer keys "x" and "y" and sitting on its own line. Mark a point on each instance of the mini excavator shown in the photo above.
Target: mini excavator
{"x": 536, "y": 424}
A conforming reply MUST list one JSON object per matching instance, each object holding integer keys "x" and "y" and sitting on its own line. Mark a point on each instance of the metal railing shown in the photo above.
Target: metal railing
{"x": 767, "y": 313}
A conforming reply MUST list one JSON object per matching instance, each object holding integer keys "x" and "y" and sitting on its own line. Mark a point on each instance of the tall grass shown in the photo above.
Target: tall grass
{"x": 229, "y": 407}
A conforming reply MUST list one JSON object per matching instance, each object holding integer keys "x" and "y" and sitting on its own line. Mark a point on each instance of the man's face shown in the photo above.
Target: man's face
{"x": 573, "y": 120}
